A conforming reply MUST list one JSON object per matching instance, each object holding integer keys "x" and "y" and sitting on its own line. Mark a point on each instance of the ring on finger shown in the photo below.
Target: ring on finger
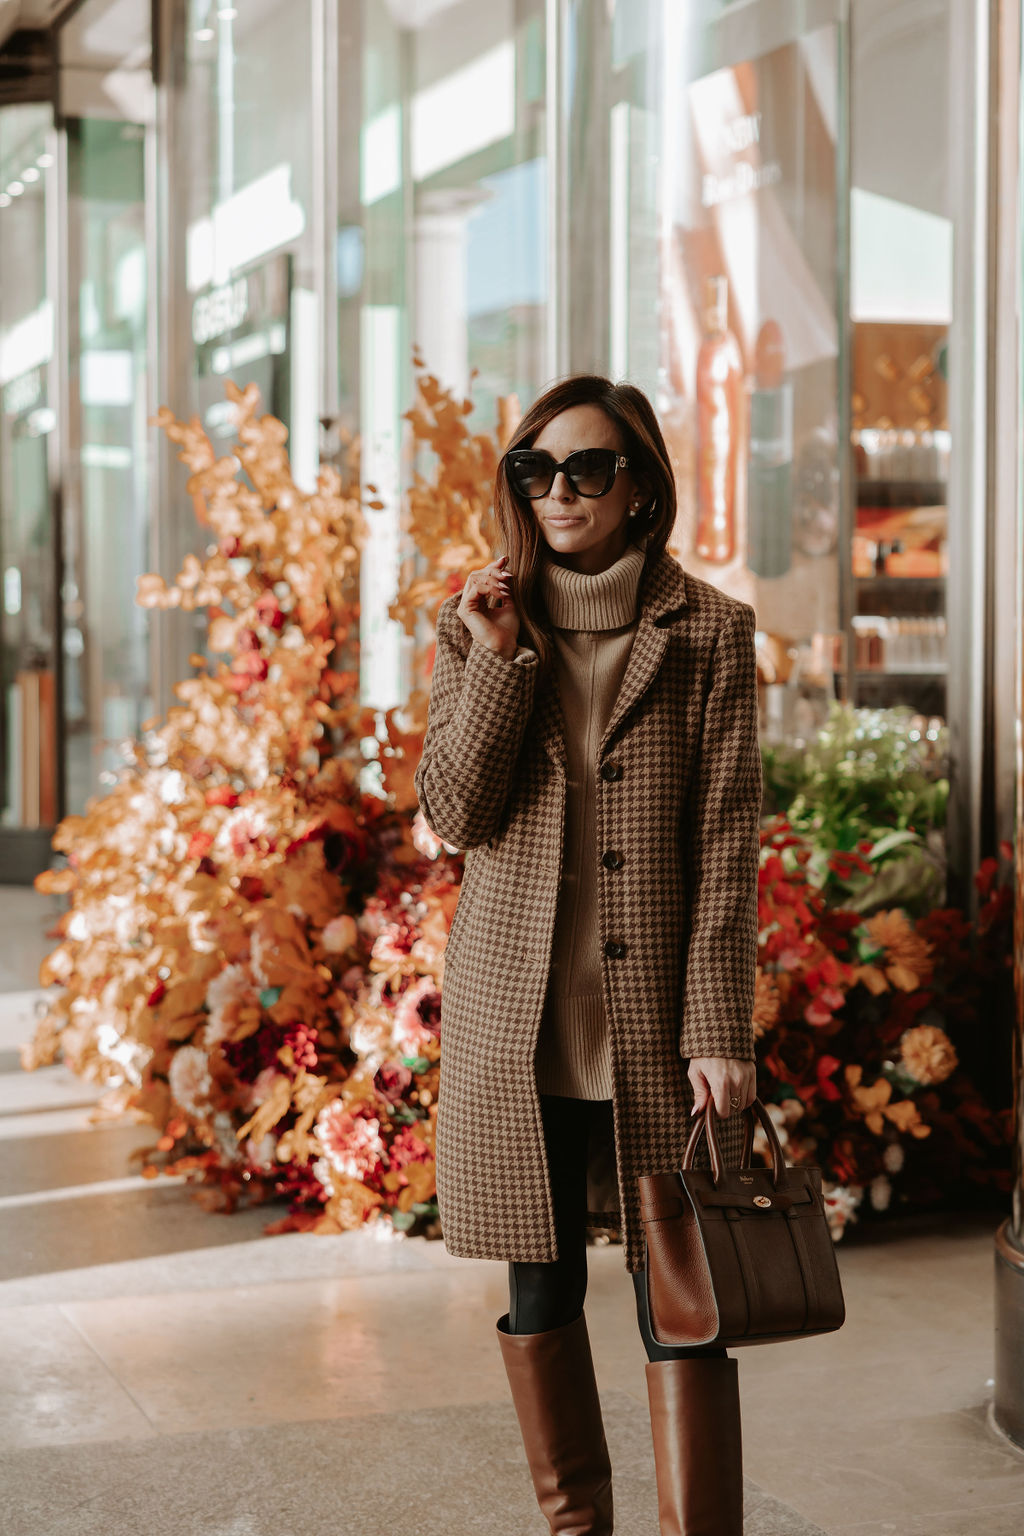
{"x": 735, "y": 1101}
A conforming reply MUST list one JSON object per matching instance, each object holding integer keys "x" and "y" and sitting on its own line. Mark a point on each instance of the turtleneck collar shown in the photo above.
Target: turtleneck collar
{"x": 607, "y": 600}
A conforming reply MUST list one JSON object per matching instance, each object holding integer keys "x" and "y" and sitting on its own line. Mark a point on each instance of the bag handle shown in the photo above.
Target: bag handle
{"x": 706, "y": 1127}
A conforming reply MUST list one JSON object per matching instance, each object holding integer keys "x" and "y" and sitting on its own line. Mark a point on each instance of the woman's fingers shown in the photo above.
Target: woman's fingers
{"x": 723, "y": 1079}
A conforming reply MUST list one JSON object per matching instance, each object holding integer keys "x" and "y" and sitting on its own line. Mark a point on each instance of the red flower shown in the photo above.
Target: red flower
{"x": 268, "y": 611}
{"x": 826, "y": 1066}
{"x": 199, "y": 846}
{"x": 222, "y": 794}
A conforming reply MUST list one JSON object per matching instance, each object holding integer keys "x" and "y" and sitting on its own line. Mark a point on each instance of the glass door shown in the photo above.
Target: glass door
{"x": 29, "y": 664}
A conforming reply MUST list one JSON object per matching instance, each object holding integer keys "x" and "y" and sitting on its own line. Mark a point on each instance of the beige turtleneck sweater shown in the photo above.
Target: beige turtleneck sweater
{"x": 593, "y": 620}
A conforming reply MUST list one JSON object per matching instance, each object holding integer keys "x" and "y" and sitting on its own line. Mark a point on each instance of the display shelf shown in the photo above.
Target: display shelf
{"x": 901, "y": 493}
{"x": 901, "y": 672}
{"x": 897, "y": 585}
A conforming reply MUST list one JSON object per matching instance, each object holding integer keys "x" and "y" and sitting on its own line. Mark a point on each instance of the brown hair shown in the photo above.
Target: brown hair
{"x": 642, "y": 441}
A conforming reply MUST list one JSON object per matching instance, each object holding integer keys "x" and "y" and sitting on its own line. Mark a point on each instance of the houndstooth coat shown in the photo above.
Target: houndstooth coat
{"x": 678, "y": 796}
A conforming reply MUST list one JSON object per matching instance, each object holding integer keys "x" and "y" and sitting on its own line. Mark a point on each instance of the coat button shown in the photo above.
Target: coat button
{"x": 612, "y": 859}
{"x": 611, "y": 772}
{"x": 614, "y": 949}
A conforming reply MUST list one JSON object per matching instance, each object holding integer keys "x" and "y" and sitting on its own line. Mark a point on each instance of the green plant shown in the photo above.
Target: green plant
{"x": 869, "y": 795}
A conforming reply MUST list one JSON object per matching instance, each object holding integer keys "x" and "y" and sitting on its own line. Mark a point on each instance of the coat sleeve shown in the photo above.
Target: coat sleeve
{"x": 480, "y": 703}
{"x": 723, "y": 855}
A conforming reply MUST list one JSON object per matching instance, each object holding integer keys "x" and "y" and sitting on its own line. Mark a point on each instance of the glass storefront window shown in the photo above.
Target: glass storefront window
{"x": 29, "y": 779}
{"x": 107, "y": 104}
{"x": 245, "y": 194}
{"x": 750, "y": 340}
{"x": 901, "y": 308}
{"x": 442, "y": 244}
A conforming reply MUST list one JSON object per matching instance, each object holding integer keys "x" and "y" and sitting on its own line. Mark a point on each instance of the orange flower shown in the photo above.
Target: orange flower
{"x": 872, "y": 978}
{"x": 869, "y": 1102}
{"x": 905, "y": 1116}
{"x": 928, "y": 1054}
{"x": 767, "y": 1004}
{"x": 909, "y": 963}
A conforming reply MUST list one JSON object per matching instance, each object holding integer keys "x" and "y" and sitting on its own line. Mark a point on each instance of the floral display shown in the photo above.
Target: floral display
{"x": 860, "y": 1023}
{"x": 253, "y": 953}
{"x": 869, "y": 794}
{"x": 253, "y": 956}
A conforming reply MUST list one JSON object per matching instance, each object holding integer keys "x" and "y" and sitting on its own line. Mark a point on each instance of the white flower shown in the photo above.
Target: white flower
{"x": 173, "y": 789}
{"x": 226, "y": 1139}
{"x": 893, "y": 1157}
{"x": 229, "y": 989}
{"x": 322, "y": 1172}
{"x": 261, "y": 1153}
{"x": 128, "y": 1054}
{"x": 370, "y": 1036}
{"x": 841, "y": 1202}
{"x": 881, "y": 1193}
{"x": 189, "y": 1078}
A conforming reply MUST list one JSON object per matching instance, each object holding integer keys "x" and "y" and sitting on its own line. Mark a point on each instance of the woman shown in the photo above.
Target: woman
{"x": 592, "y": 745}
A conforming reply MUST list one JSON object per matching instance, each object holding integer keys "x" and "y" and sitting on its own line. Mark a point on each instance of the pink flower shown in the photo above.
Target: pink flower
{"x": 351, "y": 1143}
{"x": 392, "y": 943}
{"x": 416, "y": 1016}
{"x": 407, "y": 1148}
{"x": 391, "y": 1081}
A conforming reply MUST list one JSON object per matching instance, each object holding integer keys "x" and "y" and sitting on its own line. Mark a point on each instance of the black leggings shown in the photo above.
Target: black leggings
{"x": 544, "y": 1296}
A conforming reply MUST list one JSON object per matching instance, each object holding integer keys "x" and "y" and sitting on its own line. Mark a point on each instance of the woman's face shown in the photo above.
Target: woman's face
{"x": 588, "y": 533}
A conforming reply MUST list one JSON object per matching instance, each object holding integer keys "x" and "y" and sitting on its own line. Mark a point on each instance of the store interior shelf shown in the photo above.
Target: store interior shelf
{"x": 897, "y": 584}
{"x": 901, "y": 493}
{"x": 900, "y": 672}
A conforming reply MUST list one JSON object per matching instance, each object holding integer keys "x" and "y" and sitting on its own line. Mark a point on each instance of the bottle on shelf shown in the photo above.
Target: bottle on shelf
{"x": 719, "y": 427}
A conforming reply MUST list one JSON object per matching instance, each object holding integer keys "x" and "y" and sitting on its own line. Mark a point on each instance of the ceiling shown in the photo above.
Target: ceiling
{"x": 27, "y": 13}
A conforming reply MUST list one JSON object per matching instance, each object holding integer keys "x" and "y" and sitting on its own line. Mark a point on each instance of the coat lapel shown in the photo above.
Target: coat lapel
{"x": 662, "y": 592}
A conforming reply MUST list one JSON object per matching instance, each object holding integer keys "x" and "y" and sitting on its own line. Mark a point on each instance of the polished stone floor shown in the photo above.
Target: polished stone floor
{"x": 170, "y": 1371}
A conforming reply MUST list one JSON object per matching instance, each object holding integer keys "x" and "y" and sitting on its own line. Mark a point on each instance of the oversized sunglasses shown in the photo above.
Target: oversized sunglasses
{"x": 590, "y": 471}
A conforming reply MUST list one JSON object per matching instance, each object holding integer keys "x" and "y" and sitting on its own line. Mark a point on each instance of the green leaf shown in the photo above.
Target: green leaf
{"x": 402, "y": 1220}
{"x": 269, "y": 996}
{"x": 895, "y": 839}
{"x": 416, "y": 1064}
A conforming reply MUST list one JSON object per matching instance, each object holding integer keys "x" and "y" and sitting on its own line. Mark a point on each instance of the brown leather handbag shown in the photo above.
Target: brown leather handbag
{"x": 738, "y": 1255}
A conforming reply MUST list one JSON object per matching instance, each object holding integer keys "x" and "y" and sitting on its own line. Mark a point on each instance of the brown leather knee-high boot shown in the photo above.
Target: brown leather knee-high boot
{"x": 551, "y": 1375}
{"x": 698, "y": 1459}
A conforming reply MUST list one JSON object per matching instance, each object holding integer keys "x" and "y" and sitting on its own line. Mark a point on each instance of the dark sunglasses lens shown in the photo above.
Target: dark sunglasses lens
{"x": 592, "y": 471}
{"x": 531, "y": 473}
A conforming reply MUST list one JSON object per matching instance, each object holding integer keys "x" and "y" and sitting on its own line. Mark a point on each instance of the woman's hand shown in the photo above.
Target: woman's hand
{"x": 488, "y": 610}
{"x": 729, "y": 1080}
